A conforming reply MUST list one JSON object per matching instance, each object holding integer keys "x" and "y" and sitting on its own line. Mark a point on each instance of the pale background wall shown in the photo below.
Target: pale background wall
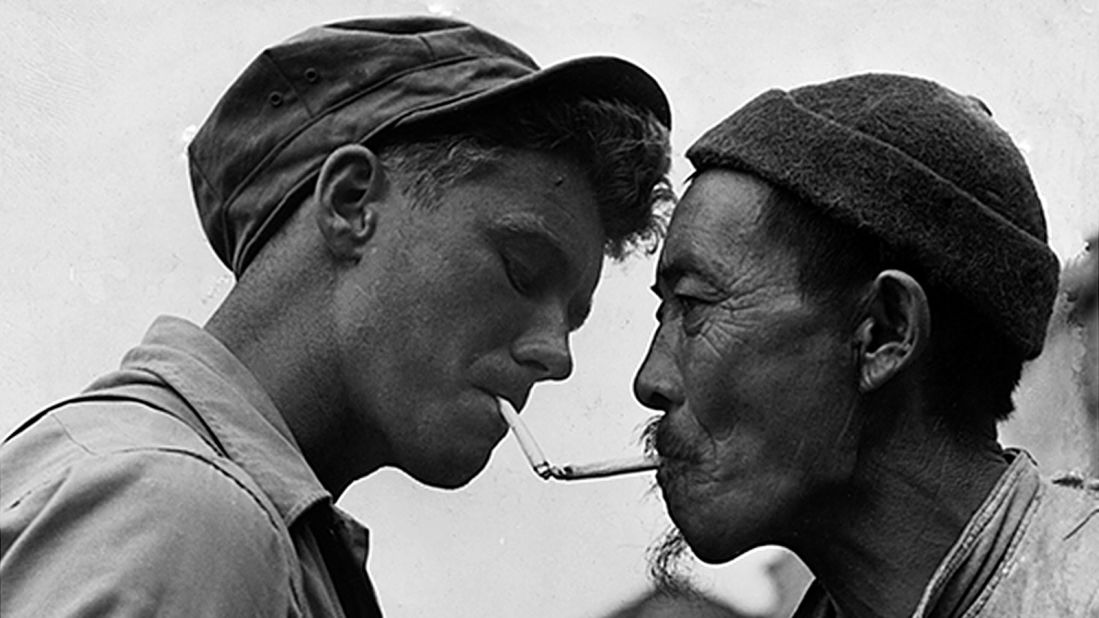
{"x": 98, "y": 234}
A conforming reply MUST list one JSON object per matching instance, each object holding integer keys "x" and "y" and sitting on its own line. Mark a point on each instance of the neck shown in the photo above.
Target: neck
{"x": 274, "y": 329}
{"x": 876, "y": 543}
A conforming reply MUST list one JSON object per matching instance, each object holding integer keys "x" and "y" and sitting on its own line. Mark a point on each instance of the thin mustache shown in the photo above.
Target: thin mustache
{"x": 648, "y": 434}
{"x": 658, "y": 438}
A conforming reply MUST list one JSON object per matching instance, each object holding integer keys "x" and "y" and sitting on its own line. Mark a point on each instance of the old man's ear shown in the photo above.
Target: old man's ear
{"x": 350, "y": 186}
{"x": 894, "y": 330}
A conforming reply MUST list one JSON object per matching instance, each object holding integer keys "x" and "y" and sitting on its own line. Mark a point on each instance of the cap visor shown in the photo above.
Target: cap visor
{"x": 599, "y": 77}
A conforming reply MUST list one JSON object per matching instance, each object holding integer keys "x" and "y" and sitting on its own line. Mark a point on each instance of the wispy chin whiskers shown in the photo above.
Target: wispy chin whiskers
{"x": 669, "y": 565}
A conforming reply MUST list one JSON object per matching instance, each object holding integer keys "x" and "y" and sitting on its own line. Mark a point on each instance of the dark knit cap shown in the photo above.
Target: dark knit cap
{"x": 352, "y": 82}
{"x": 923, "y": 169}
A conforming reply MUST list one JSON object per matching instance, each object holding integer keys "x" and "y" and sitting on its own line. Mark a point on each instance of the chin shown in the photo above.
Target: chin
{"x": 713, "y": 551}
{"x": 450, "y": 482}
{"x": 453, "y": 473}
{"x": 712, "y": 544}
{"x": 714, "y": 537}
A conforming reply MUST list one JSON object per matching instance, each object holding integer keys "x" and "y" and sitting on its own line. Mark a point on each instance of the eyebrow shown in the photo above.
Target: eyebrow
{"x": 667, "y": 276}
{"x": 532, "y": 231}
{"x": 680, "y": 267}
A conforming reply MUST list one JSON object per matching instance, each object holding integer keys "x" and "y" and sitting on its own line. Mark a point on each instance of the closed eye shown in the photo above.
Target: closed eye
{"x": 689, "y": 303}
{"x": 522, "y": 279}
{"x": 679, "y": 305}
{"x": 692, "y": 313}
{"x": 682, "y": 303}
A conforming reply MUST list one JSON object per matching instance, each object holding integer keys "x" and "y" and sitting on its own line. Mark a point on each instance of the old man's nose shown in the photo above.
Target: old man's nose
{"x": 655, "y": 385}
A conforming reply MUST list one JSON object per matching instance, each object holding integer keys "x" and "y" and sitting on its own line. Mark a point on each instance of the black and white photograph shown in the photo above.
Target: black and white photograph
{"x": 709, "y": 308}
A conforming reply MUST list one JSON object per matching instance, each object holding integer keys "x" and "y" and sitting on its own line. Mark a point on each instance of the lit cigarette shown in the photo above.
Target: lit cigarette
{"x": 614, "y": 467}
{"x": 546, "y": 470}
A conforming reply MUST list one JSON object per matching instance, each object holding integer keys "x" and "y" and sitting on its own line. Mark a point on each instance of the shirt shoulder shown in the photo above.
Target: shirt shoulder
{"x": 1051, "y": 570}
{"x": 133, "y": 508}
{"x": 77, "y": 431}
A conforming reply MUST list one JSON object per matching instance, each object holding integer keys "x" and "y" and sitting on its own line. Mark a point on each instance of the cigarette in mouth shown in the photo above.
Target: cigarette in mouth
{"x": 526, "y": 441}
{"x": 546, "y": 470}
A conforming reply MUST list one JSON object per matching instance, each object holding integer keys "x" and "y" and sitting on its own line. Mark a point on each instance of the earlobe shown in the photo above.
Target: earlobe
{"x": 894, "y": 331}
{"x": 350, "y": 187}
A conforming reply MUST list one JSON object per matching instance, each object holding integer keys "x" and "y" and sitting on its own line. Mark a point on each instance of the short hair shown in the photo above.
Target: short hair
{"x": 622, "y": 147}
{"x": 974, "y": 368}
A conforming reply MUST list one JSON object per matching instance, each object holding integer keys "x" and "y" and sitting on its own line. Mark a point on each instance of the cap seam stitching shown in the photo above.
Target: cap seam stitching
{"x": 289, "y": 82}
{"x": 280, "y": 146}
{"x": 430, "y": 49}
{"x": 222, "y": 215}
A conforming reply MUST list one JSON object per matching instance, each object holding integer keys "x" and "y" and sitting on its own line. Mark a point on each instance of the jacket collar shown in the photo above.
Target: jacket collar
{"x": 979, "y": 552}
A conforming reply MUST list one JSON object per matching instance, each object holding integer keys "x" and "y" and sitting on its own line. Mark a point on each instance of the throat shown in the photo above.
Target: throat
{"x": 876, "y": 548}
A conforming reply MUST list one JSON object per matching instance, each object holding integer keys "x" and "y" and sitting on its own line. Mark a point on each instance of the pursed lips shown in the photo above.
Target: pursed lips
{"x": 494, "y": 407}
{"x": 500, "y": 426}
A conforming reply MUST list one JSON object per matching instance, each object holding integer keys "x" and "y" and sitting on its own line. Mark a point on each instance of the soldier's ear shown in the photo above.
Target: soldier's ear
{"x": 350, "y": 187}
{"x": 894, "y": 330}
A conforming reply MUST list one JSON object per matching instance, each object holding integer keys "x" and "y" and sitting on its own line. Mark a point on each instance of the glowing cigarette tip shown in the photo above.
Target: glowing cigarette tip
{"x": 526, "y": 441}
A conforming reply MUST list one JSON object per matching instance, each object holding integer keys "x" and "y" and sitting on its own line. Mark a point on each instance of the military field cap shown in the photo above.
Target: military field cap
{"x": 920, "y": 167}
{"x": 351, "y": 82}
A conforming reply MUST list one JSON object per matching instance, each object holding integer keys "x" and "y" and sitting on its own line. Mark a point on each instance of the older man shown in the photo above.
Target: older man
{"x": 849, "y": 289}
{"x": 416, "y": 215}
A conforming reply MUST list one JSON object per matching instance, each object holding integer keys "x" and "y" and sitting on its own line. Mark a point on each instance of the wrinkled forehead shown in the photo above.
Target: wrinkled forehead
{"x": 720, "y": 214}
